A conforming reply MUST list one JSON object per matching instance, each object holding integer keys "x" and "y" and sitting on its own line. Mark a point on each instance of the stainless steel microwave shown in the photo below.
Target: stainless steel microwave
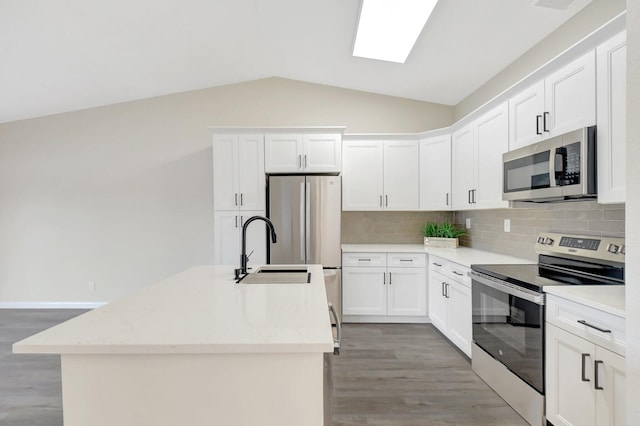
{"x": 559, "y": 168}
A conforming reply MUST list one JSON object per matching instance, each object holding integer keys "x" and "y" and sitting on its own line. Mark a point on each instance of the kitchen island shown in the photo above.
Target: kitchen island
{"x": 196, "y": 349}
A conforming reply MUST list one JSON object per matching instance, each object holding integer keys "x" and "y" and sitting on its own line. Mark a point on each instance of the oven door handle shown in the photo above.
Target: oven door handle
{"x": 536, "y": 298}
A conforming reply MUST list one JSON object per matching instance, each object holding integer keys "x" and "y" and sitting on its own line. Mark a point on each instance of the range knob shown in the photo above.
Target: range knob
{"x": 612, "y": 248}
{"x": 548, "y": 241}
{"x": 540, "y": 240}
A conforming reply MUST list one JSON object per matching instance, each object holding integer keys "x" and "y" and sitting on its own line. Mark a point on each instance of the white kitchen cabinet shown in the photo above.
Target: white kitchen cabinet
{"x": 238, "y": 172}
{"x": 477, "y": 161}
{"x": 380, "y": 175}
{"x": 228, "y": 235}
{"x": 611, "y": 117}
{"x": 303, "y": 153}
{"x": 435, "y": 173}
{"x": 564, "y": 101}
{"x": 450, "y": 301}
{"x": 392, "y": 291}
{"x": 585, "y": 382}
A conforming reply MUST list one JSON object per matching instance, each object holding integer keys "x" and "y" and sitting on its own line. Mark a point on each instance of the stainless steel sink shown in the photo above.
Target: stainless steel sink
{"x": 277, "y": 274}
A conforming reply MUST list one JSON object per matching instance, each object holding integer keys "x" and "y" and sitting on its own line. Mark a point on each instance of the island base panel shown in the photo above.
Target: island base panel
{"x": 168, "y": 390}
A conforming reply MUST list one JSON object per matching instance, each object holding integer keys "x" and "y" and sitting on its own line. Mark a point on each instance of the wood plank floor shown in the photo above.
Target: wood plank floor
{"x": 386, "y": 375}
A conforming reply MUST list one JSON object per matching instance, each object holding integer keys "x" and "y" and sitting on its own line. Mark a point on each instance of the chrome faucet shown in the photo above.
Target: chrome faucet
{"x": 243, "y": 256}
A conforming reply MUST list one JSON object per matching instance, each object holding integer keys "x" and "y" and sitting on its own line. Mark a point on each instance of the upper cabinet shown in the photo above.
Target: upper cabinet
{"x": 477, "y": 161}
{"x": 564, "y": 101}
{"x": 435, "y": 173}
{"x": 303, "y": 153}
{"x": 380, "y": 175}
{"x": 612, "y": 118}
{"x": 238, "y": 172}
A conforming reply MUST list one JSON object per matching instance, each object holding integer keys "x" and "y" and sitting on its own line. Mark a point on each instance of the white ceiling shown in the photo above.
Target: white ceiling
{"x": 66, "y": 55}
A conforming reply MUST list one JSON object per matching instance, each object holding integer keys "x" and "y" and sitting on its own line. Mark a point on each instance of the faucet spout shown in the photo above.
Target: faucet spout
{"x": 243, "y": 255}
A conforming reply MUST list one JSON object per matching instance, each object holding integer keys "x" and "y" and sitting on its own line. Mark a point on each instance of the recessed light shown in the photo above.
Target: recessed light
{"x": 388, "y": 29}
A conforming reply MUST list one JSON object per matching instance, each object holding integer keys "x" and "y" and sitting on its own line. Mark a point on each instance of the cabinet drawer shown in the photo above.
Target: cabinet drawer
{"x": 364, "y": 259}
{"x": 406, "y": 259}
{"x": 437, "y": 264}
{"x": 581, "y": 319}
{"x": 459, "y": 274}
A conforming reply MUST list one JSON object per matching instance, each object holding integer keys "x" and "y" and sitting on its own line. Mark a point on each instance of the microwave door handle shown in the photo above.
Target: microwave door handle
{"x": 552, "y": 168}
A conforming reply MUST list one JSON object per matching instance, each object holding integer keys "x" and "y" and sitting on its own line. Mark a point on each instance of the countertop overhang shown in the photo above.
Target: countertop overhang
{"x": 199, "y": 311}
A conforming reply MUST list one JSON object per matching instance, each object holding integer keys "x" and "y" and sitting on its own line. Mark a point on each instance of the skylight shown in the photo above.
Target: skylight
{"x": 388, "y": 29}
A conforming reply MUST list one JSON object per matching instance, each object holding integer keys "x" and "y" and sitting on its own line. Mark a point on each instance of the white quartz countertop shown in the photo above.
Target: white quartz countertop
{"x": 200, "y": 310}
{"x": 607, "y": 298}
{"x": 462, "y": 255}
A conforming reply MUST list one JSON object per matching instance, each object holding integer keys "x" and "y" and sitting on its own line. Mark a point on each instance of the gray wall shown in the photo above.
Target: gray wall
{"x": 122, "y": 195}
{"x": 582, "y": 24}
{"x": 528, "y": 220}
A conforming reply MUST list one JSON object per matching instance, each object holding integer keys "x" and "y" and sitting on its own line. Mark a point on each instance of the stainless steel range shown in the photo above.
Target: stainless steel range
{"x": 508, "y": 312}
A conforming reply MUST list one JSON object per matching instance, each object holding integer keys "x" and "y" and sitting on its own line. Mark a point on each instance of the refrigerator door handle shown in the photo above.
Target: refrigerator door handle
{"x": 302, "y": 222}
{"x": 307, "y": 220}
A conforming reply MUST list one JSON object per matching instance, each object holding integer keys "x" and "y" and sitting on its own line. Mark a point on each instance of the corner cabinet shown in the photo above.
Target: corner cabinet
{"x": 585, "y": 365}
{"x": 380, "y": 175}
{"x": 564, "y": 101}
{"x": 477, "y": 152}
{"x": 450, "y": 301}
{"x": 435, "y": 173}
{"x": 303, "y": 153}
{"x": 384, "y": 287}
{"x": 611, "y": 57}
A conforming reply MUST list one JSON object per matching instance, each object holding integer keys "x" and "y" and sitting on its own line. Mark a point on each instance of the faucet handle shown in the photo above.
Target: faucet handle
{"x": 249, "y": 255}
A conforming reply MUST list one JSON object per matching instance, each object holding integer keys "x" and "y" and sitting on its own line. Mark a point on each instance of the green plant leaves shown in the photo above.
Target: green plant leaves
{"x": 443, "y": 230}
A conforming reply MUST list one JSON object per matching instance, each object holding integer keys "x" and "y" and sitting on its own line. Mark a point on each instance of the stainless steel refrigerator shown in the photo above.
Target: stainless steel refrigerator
{"x": 306, "y": 213}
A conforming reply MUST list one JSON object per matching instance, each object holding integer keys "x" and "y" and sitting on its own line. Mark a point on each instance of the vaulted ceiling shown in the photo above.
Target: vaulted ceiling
{"x": 65, "y": 55}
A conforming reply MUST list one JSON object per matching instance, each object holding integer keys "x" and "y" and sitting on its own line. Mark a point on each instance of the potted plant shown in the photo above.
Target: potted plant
{"x": 442, "y": 234}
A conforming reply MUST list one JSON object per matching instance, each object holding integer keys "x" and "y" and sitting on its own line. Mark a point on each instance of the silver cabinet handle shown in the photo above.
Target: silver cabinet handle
{"x": 443, "y": 284}
{"x": 544, "y": 121}
{"x": 364, "y": 260}
{"x": 406, "y": 260}
{"x": 437, "y": 264}
{"x": 384, "y": 278}
{"x": 337, "y": 343}
{"x": 447, "y": 199}
{"x": 381, "y": 201}
{"x": 241, "y": 199}
{"x": 386, "y": 201}
{"x": 299, "y": 161}
{"x": 235, "y": 203}
{"x": 457, "y": 273}
{"x": 469, "y": 196}
{"x": 389, "y": 278}
{"x": 305, "y": 161}
{"x": 236, "y": 221}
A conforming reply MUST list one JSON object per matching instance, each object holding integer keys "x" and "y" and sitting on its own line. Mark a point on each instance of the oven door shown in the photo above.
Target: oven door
{"x": 508, "y": 324}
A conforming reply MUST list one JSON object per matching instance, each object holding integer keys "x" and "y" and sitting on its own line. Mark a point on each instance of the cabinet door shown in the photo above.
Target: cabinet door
{"x": 459, "y": 315}
{"x": 362, "y": 172}
{"x": 435, "y": 173}
{"x": 256, "y": 238}
{"x": 570, "y": 398}
{"x": 570, "y": 96}
{"x": 492, "y": 140}
{"x": 252, "y": 184}
{"x": 364, "y": 291}
{"x": 525, "y": 116}
{"x": 407, "y": 292}
{"x": 401, "y": 175}
{"x": 437, "y": 301}
{"x": 322, "y": 153}
{"x": 283, "y": 153}
{"x": 225, "y": 172}
{"x": 226, "y": 238}
{"x": 612, "y": 118}
{"x": 611, "y": 399}
{"x": 462, "y": 176}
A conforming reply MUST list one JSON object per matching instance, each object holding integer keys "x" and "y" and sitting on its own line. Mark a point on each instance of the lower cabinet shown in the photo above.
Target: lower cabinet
{"x": 384, "y": 287}
{"x": 228, "y": 234}
{"x": 585, "y": 383}
{"x": 450, "y": 301}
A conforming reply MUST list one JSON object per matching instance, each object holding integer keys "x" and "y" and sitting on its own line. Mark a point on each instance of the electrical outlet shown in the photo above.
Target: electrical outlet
{"x": 92, "y": 286}
{"x": 468, "y": 223}
{"x": 507, "y": 225}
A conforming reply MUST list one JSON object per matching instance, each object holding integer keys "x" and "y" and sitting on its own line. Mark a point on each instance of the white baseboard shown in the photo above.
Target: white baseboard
{"x": 385, "y": 319}
{"x": 51, "y": 305}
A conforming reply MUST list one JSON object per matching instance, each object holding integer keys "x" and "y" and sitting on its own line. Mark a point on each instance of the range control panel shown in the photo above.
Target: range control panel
{"x": 604, "y": 248}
